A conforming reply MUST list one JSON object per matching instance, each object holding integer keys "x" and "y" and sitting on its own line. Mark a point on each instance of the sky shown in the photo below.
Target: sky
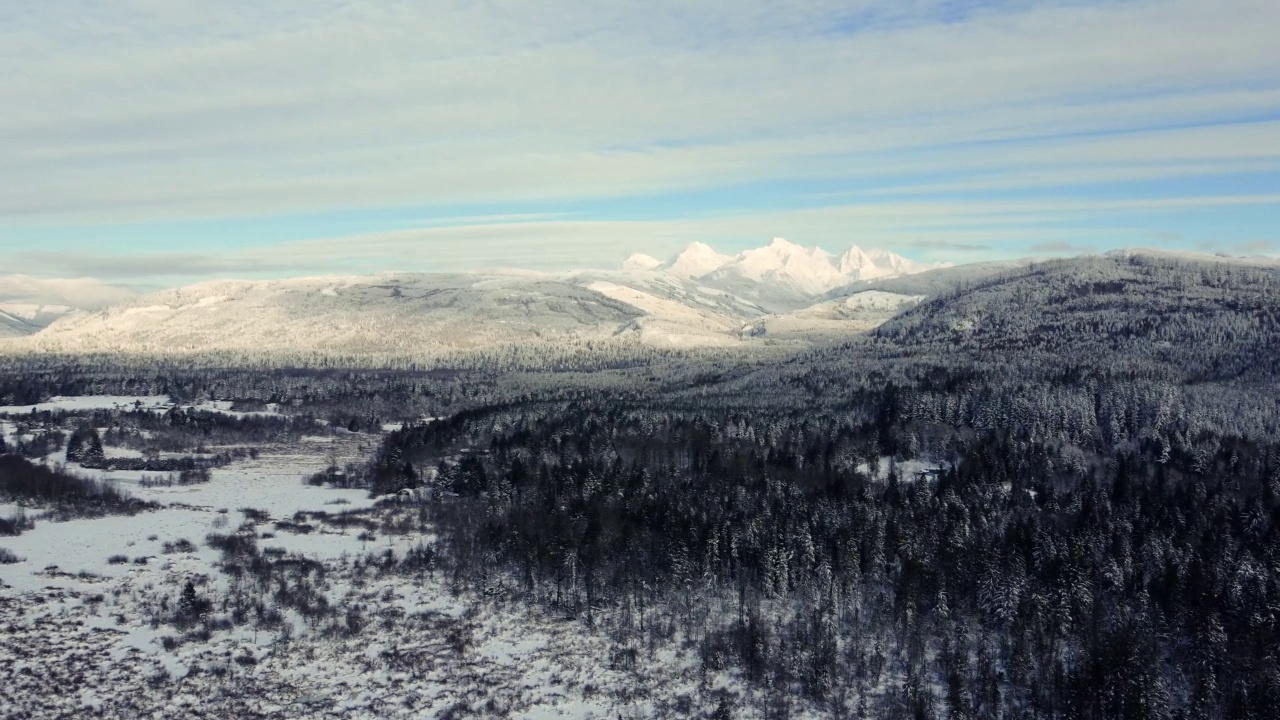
{"x": 161, "y": 142}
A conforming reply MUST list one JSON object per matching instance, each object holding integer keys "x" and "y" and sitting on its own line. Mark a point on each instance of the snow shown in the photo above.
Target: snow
{"x": 880, "y": 300}
{"x": 695, "y": 261}
{"x": 92, "y": 402}
{"x": 97, "y": 644}
{"x": 810, "y": 271}
{"x": 270, "y": 484}
{"x": 33, "y": 312}
{"x": 701, "y": 298}
{"x": 10, "y": 510}
{"x": 153, "y": 403}
{"x": 418, "y": 315}
{"x": 641, "y": 262}
{"x": 97, "y": 631}
{"x": 837, "y": 318}
{"x": 908, "y": 470}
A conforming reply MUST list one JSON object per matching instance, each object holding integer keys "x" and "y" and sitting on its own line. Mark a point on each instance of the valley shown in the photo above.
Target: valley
{"x": 958, "y": 503}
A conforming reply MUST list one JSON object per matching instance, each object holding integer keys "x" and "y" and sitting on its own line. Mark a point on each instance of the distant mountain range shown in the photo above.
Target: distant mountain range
{"x": 782, "y": 294}
{"x": 782, "y": 264}
{"x": 699, "y": 298}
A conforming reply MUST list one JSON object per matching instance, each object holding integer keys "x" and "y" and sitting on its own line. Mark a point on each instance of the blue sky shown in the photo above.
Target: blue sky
{"x": 156, "y": 143}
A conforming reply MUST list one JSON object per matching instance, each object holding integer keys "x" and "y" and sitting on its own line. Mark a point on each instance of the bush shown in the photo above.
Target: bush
{"x": 117, "y": 559}
{"x": 234, "y": 545}
{"x": 179, "y": 546}
{"x": 8, "y": 558}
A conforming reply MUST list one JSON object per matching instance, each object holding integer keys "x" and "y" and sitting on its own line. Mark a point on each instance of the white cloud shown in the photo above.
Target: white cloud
{"x": 930, "y": 228}
{"x": 147, "y": 109}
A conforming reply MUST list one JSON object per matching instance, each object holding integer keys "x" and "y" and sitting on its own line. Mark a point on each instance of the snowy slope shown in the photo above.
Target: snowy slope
{"x": 412, "y": 315}
{"x": 835, "y": 318}
{"x": 14, "y": 326}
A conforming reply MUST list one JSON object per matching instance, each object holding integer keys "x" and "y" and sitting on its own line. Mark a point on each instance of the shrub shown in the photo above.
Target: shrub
{"x": 8, "y": 558}
{"x": 117, "y": 559}
{"x": 179, "y": 546}
{"x": 234, "y": 545}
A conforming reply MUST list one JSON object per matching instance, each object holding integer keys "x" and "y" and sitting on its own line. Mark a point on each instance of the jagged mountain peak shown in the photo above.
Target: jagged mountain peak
{"x": 696, "y": 260}
{"x": 641, "y": 262}
{"x": 781, "y": 265}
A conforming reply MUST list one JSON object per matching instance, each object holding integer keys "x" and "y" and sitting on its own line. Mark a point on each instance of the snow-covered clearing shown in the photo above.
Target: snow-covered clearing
{"x": 154, "y": 403}
{"x": 92, "y": 402}
{"x": 89, "y": 630}
{"x": 908, "y": 470}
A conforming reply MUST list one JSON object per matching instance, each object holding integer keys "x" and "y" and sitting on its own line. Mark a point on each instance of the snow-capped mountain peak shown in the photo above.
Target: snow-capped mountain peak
{"x": 696, "y": 260}
{"x": 855, "y": 260}
{"x": 641, "y": 262}
{"x": 781, "y": 261}
{"x": 781, "y": 265}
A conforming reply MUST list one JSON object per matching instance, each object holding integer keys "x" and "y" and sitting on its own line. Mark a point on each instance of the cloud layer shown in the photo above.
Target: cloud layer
{"x": 140, "y": 111}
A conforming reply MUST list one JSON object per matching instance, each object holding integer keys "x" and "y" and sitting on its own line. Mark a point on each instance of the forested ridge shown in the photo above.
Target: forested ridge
{"x": 905, "y": 527}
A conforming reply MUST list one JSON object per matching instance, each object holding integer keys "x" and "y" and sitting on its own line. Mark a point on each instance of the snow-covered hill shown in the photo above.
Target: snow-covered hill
{"x": 834, "y": 319}
{"x": 422, "y": 315}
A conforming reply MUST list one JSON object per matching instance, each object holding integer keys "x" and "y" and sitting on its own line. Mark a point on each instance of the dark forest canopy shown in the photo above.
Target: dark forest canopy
{"x": 1099, "y": 538}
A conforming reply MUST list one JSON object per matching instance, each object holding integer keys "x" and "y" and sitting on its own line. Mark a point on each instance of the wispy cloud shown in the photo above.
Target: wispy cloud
{"x": 1058, "y": 247}
{"x": 118, "y": 266}
{"x": 133, "y": 111}
{"x": 947, "y": 245}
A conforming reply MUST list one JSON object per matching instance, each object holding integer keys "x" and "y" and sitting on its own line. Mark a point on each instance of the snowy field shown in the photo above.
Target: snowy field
{"x": 89, "y": 631}
{"x": 155, "y": 403}
{"x": 92, "y": 402}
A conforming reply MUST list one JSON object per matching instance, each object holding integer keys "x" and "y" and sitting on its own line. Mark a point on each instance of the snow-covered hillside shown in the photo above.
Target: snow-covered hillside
{"x": 428, "y": 315}
{"x": 835, "y": 318}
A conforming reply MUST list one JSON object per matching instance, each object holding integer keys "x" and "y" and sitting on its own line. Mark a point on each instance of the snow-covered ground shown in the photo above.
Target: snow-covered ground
{"x": 272, "y": 484}
{"x": 155, "y": 403}
{"x": 87, "y": 631}
{"x": 88, "y": 613}
{"x": 67, "y": 653}
{"x": 908, "y": 470}
{"x": 92, "y": 402}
